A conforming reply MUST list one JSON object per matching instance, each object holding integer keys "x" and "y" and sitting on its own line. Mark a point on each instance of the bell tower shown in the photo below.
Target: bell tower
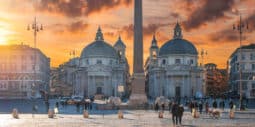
{"x": 154, "y": 48}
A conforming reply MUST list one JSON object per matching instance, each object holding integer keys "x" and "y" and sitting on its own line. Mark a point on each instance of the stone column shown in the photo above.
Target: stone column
{"x": 138, "y": 38}
{"x": 138, "y": 95}
{"x": 88, "y": 85}
{"x": 104, "y": 87}
{"x": 93, "y": 87}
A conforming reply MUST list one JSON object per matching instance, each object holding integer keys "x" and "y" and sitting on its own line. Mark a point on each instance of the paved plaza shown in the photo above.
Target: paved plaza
{"x": 69, "y": 116}
{"x": 132, "y": 118}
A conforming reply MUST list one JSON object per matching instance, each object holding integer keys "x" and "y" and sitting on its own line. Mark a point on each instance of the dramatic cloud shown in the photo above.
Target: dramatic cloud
{"x": 75, "y": 8}
{"x": 209, "y": 11}
{"x": 74, "y": 27}
{"x": 77, "y": 26}
{"x": 148, "y": 30}
{"x": 229, "y": 35}
{"x": 251, "y": 22}
{"x": 128, "y": 30}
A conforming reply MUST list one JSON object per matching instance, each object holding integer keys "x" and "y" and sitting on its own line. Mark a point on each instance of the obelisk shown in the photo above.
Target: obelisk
{"x": 138, "y": 95}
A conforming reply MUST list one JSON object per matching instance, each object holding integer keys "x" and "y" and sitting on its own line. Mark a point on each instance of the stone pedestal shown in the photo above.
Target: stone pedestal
{"x": 138, "y": 96}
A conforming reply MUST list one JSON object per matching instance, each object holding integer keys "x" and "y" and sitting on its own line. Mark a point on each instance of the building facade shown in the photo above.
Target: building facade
{"x": 216, "y": 80}
{"x": 24, "y": 72}
{"x": 242, "y": 61}
{"x": 172, "y": 70}
{"x": 101, "y": 69}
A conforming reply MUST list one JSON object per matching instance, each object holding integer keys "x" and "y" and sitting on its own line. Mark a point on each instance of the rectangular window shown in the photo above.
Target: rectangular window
{"x": 252, "y": 56}
{"x": 253, "y": 85}
{"x": 99, "y": 61}
{"x": 244, "y": 86}
{"x": 253, "y": 66}
{"x": 243, "y": 66}
{"x": 177, "y": 61}
{"x": 243, "y": 56}
{"x": 191, "y": 62}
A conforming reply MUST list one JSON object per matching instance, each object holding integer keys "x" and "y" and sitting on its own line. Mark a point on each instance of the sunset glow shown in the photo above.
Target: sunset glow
{"x": 74, "y": 26}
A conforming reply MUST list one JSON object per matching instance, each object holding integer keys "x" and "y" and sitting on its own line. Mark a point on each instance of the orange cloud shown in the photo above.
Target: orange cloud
{"x": 77, "y": 8}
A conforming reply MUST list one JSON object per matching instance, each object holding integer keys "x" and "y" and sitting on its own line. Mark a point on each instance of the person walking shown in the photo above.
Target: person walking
{"x": 191, "y": 106}
{"x": 55, "y": 111}
{"x": 163, "y": 107}
{"x": 180, "y": 113}
{"x": 231, "y": 104}
{"x": 206, "y": 107}
{"x": 175, "y": 114}
{"x": 215, "y": 105}
{"x": 170, "y": 106}
{"x": 57, "y": 104}
{"x": 200, "y": 107}
{"x": 223, "y": 105}
{"x": 156, "y": 107}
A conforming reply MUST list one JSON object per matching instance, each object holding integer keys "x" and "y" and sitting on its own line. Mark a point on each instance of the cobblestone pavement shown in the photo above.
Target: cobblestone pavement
{"x": 134, "y": 118}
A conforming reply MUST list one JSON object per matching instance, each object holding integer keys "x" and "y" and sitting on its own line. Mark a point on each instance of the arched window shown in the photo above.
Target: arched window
{"x": 191, "y": 61}
{"x": 154, "y": 54}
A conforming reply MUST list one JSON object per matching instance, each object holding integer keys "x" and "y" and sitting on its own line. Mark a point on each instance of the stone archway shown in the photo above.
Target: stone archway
{"x": 99, "y": 90}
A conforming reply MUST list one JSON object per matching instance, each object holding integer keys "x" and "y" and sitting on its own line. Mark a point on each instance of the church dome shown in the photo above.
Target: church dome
{"x": 178, "y": 45}
{"x": 99, "y": 48}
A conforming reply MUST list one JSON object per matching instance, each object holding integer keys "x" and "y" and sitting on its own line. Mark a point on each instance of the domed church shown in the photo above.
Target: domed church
{"x": 172, "y": 70}
{"x": 102, "y": 69}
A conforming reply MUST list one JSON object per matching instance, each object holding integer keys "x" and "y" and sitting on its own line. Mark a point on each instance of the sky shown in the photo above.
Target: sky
{"x": 70, "y": 25}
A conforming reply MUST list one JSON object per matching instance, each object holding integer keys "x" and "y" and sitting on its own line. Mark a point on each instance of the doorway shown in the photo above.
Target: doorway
{"x": 99, "y": 90}
{"x": 177, "y": 91}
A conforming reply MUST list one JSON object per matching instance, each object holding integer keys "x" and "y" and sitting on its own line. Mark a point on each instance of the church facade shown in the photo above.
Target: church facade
{"x": 102, "y": 69}
{"x": 172, "y": 70}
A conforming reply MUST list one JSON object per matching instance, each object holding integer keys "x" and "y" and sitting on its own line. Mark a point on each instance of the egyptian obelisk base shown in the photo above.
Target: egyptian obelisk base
{"x": 138, "y": 96}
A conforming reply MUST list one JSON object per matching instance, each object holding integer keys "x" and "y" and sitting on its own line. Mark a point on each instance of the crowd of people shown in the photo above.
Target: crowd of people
{"x": 195, "y": 106}
{"x": 174, "y": 108}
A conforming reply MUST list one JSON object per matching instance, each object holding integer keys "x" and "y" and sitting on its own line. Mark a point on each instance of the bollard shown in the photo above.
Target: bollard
{"x": 15, "y": 113}
{"x": 195, "y": 113}
{"x": 85, "y": 114}
{"x": 50, "y": 113}
{"x": 120, "y": 114}
{"x": 231, "y": 114}
{"x": 160, "y": 114}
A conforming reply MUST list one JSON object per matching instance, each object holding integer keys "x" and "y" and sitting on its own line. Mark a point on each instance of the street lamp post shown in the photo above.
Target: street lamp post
{"x": 35, "y": 27}
{"x": 240, "y": 27}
